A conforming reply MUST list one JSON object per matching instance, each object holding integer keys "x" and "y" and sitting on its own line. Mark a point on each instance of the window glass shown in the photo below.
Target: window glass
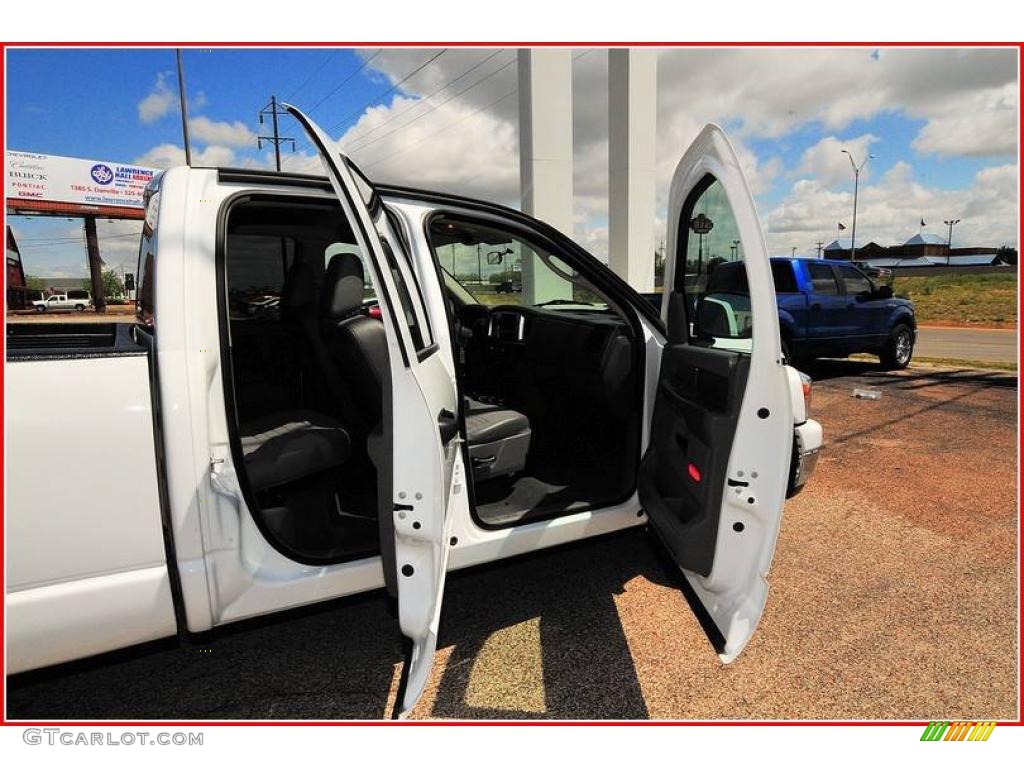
{"x": 493, "y": 266}
{"x": 823, "y": 279}
{"x": 854, "y": 281}
{"x": 714, "y": 276}
{"x": 782, "y": 275}
{"x": 257, "y": 266}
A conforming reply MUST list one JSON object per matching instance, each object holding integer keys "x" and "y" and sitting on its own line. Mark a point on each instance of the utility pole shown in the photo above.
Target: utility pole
{"x": 820, "y": 244}
{"x": 856, "y": 181}
{"x": 277, "y": 140}
{"x": 92, "y": 247}
{"x": 949, "y": 240}
{"x": 793, "y": 254}
{"x": 184, "y": 109}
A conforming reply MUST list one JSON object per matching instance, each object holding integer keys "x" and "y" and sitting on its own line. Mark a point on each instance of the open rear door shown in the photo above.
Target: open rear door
{"x": 419, "y": 448}
{"x": 713, "y": 479}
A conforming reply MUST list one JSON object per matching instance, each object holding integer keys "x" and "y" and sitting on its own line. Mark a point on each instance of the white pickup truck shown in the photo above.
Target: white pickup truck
{"x": 383, "y": 422}
{"x": 75, "y": 301}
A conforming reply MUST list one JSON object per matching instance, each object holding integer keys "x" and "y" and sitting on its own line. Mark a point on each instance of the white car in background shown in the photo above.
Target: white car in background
{"x": 72, "y": 301}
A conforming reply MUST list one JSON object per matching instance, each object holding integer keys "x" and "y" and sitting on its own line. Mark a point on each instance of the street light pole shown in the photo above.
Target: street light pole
{"x": 949, "y": 239}
{"x": 856, "y": 183}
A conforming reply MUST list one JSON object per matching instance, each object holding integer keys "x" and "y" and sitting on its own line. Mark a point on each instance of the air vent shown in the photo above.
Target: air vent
{"x": 507, "y": 326}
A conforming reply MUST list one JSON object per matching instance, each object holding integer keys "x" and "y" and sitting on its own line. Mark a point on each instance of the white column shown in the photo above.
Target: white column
{"x": 545, "y": 156}
{"x": 632, "y": 122}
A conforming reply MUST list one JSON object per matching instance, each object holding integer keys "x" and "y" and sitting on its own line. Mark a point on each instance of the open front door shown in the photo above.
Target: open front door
{"x": 418, "y": 450}
{"x": 713, "y": 479}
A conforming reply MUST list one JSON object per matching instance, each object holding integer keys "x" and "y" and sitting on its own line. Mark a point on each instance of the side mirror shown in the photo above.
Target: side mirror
{"x": 883, "y": 292}
{"x": 495, "y": 257}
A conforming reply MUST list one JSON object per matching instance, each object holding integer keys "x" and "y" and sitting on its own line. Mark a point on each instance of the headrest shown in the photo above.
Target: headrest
{"x": 342, "y": 292}
{"x": 299, "y": 289}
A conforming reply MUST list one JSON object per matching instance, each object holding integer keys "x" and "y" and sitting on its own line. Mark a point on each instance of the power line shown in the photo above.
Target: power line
{"x": 313, "y": 74}
{"x": 447, "y": 127}
{"x": 465, "y": 117}
{"x": 30, "y": 242}
{"x": 427, "y": 98}
{"x": 427, "y": 112}
{"x": 340, "y": 85}
{"x": 373, "y": 101}
{"x": 451, "y": 125}
{"x": 392, "y": 89}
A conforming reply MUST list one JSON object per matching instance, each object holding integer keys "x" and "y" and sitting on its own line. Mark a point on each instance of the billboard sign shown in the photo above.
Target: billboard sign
{"x": 56, "y": 179}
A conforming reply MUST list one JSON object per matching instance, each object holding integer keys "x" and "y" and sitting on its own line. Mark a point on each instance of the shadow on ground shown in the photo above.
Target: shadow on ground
{"x": 341, "y": 660}
{"x": 911, "y": 378}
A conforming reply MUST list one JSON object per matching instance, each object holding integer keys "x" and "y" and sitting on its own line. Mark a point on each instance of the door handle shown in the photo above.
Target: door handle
{"x": 447, "y": 425}
{"x": 815, "y": 305}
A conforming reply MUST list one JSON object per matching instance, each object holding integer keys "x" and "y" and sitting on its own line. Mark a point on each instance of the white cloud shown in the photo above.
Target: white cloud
{"x": 890, "y": 211}
{"x": 455, "y": 148}
{"x": 981, "y": 124}
{"x": 207, "y": 131}
{"x": 159, "y": 100}
{"x": 170, "y": 155}
{"x": 467, "y": 144}
{"x": 965, "y": 98}
{"x": 826, "y": 162}
{"x": 119, "y": 242}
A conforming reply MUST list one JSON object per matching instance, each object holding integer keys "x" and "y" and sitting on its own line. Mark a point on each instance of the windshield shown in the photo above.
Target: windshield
{"x": 486, "y": 264}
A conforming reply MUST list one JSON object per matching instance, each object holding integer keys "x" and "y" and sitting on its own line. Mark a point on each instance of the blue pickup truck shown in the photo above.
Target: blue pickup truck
{"x": 826, "y": 309}
{"x": 832, "y": 309}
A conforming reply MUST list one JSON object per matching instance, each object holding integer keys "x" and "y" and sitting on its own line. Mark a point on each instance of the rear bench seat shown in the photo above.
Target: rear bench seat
{"x": 291, "y": 445}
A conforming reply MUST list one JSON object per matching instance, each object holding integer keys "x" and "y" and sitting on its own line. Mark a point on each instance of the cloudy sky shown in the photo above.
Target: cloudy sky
{"x": 941, "y": 122}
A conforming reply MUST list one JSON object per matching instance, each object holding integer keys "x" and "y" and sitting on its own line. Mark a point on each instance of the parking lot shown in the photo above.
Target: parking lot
{"x": 893, "y": 595}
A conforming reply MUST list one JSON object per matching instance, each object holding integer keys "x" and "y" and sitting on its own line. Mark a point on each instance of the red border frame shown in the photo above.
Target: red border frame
{"x": 521, "y": 44}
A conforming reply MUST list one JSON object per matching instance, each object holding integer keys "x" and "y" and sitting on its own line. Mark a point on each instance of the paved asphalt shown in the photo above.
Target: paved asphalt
{"x": 987, "y": 345}
{"x": 893, "y": 595}
{"x": 976, "y": 344}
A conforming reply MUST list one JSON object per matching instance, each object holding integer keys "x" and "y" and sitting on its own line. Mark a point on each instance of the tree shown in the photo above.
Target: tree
{"x": 112, "y": 285}
{"x": 34, "y": 283}
{"x": 659, "y": 268}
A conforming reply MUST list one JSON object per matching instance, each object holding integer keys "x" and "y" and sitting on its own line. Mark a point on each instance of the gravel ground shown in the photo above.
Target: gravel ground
{"x": 114, "y": 314}
{"x": 893, "y": 596}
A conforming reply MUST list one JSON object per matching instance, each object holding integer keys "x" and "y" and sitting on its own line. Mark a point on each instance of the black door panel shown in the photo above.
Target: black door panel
{"x": 683, "y": 473}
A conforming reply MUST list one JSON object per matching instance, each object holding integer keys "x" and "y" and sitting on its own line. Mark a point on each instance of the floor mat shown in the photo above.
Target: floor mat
{"x": 508, "y": 501}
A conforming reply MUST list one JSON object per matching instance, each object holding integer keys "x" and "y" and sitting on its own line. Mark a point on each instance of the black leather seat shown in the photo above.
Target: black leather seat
{"x": 330, "y": 390}
{"x": 291, "y": 445}
{"x": 355, "y": 341}
{"x": 488, "y": 422}
{"x": 499, "y": 438}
